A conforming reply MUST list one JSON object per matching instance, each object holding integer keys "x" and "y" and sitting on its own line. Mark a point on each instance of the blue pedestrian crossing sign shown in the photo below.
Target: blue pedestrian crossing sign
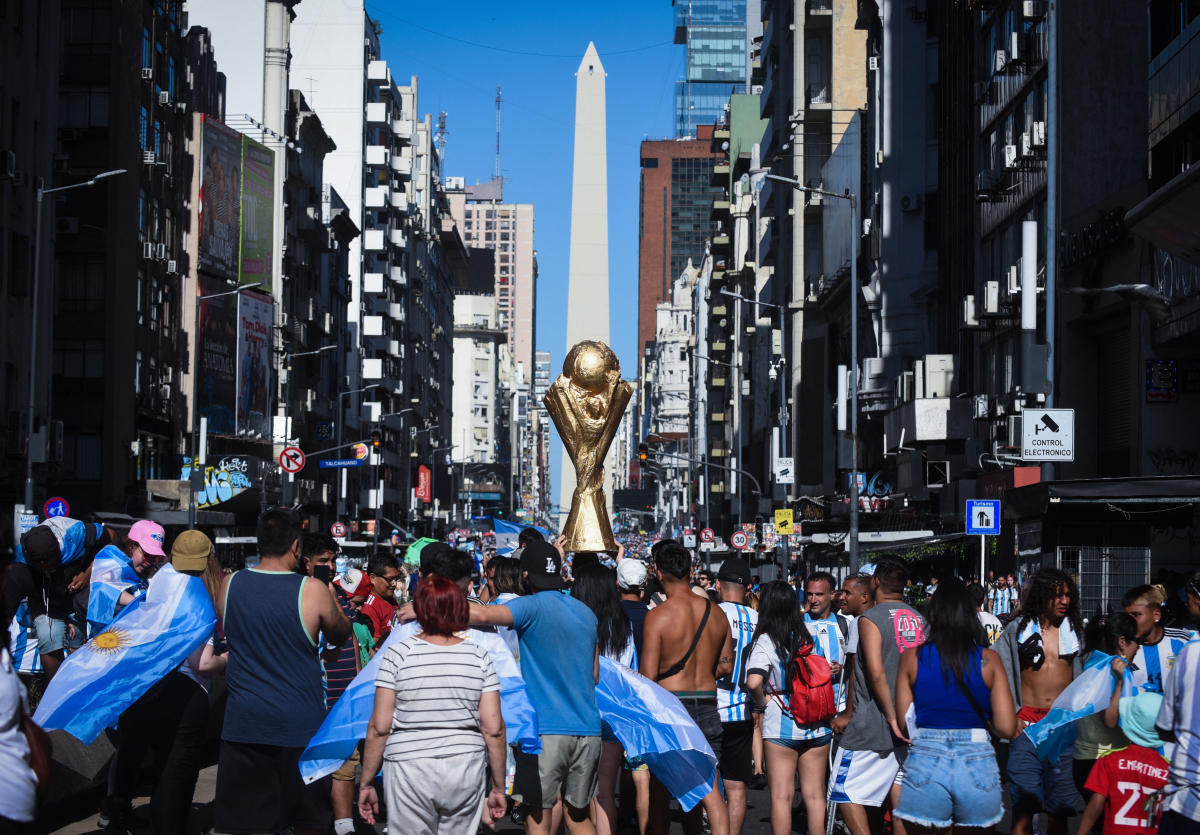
{"x": 983, "y": 516}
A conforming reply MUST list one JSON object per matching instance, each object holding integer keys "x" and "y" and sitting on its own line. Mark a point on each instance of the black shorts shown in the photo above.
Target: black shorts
{"x": 737, "y": 751}
{"x": 703, "y": 710}
{"x": 259, "y": 789}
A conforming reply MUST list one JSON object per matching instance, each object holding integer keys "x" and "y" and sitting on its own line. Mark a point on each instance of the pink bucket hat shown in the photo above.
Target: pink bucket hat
{"x": 150, "y": 535}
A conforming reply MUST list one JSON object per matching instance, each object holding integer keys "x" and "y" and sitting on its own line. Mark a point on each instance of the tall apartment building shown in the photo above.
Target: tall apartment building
{"x": 488, "y": 222}
{"x": 715, "y": 34}
{"x": 543, "y": 376}
{"x": 476, "y": 360}
{"x": 674, "y": 207}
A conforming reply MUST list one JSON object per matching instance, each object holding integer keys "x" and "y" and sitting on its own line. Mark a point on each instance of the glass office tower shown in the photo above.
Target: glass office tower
{"x": 714, "y": 32}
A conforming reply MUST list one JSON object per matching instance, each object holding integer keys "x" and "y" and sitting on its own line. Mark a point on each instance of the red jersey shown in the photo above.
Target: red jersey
{"x": 1127, "y": 777}
{"x": 379, "y": 612}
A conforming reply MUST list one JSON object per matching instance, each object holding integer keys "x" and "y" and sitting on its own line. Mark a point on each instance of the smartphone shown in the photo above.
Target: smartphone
{"x": 324, "y": 573}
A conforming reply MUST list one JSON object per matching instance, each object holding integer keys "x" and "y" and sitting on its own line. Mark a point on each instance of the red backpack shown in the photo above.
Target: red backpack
{"x": 811, "y": 699}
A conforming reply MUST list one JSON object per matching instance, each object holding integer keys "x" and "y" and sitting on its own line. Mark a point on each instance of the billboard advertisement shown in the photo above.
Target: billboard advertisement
{"x": 424, "y": 483}
{"x": 220, "y": 200}
{"x": 254, "y": 365}
{"x": 218, "y": 350}
{"x": 258, "y": 213}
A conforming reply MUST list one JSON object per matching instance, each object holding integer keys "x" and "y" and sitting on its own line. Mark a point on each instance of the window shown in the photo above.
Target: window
{"x": 81, "y": 281}
{"x": 81, "y": 456}
{"x": 76, "y": 359}
{"x": 144, "y": 128}
{"x": 137, "y": 372}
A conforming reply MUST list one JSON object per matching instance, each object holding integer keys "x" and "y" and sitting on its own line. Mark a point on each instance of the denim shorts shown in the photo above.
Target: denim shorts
{"x": 52, "y": 634}
{"x": 1040, "y": 786}
{"x": 951, "y": 779}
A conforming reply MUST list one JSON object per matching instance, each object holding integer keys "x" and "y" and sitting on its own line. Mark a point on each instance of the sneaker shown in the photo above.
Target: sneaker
{"x": 102, "y": 821}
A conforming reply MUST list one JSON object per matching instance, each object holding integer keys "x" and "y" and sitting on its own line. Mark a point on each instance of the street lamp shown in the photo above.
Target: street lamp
{"x": 285, "y": 482}
{"x": 197, "y": 474}
{"x": 853, "y": 201}
{"x": 33, "y": 326}
{"x": 341, "y": 432}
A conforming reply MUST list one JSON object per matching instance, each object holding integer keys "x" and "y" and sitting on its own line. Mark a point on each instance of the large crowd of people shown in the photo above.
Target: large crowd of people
{"x": 844, "y": 698}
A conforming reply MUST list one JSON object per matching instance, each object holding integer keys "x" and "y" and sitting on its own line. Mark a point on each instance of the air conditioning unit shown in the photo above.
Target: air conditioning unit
{"x": 172, "y": 267}
{"x": 160, "y": 252}
{"x": 8, "y": 164}
{"x": 164, "y": 97}
{"x": 1010, "y": 156}
{"x": 147, "y": 250}
{"x": 991, "y": 298}
{"x": 149, "y": 158}
{"x": 970, "y": 318}
{"x": 1026, "y": 145}
{"x": 67, "y": 226}
{"x": 1014, "y": 280}
{"x": 1033, "y": 9}
{"x": 147, "y": 73}
{"x": 1038, "y": 136}
{"x": 1000, "y": 61}
{"x": 911, "y": 203}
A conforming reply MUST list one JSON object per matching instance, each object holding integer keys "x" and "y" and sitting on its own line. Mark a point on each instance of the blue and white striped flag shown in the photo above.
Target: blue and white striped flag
{"x": 112, "y": 573}
{"x": 23, "y": 643}
{"x": 654, "y": 725}
{"x": 149, "y": 638}
{"x": 346, "y": 724}
{"x": 1088, "y": 694}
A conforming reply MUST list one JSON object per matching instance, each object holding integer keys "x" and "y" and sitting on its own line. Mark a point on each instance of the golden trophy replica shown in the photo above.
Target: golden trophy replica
{"x": 586, "y": 404}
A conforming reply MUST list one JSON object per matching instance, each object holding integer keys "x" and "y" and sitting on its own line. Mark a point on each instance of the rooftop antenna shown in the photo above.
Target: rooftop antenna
{"x": 496, "y": 174}
{"x": 440, "y": 138}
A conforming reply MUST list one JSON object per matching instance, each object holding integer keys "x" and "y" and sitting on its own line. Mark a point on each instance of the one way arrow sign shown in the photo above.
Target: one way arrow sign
{"x": 983, "y": 517}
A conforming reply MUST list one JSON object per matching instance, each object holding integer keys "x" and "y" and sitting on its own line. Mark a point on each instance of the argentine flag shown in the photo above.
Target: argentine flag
{"x": 149, "y": 638}
{"x": 1088, "y": 694}
{"x": 653, "y": 724}
{"x": 112, "y": 573}
{"x": 347, "y": 723}
{"x": 507, "y": 533}
{"x": 23, "y": 643}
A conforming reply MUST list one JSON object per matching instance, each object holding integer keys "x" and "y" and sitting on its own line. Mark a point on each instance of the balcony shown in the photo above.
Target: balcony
{"x": 399, "y": 239}
{"x": 401, "y": 166}
{"x": 373, "y": 283}
{"x": 372, "y": 369}
{"x": 720, "y": 175}
{"x": 396, "y": 311}
{"x": 375, "y": 197}
{"x": 377, "y": 113}
{"x": 403, "y": 129}
{"x": 377, "y": 73}
{"x": 399, "y": 201}
{"x": 373, "y": 240}
{"x": 397, "y": 275}
{"x": 721, "y": 241}
{"x": 373, "y": 326}
{"x": 377, "y": 155}
{"x": 818, "y": 96}
{"x": 720, "y": 209}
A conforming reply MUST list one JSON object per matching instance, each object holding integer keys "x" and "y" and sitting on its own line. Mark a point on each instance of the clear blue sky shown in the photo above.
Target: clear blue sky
{"x": 461, "y": 50}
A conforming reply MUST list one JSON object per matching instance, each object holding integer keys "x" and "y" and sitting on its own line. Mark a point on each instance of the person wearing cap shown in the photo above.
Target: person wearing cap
{"x": 118, "y": 575}
{"x": 1123, "y": 780}
{"x": 171, "y": 719}
{"x": 631, "y": 581}
{"x": 733, "y": 703}
{"x": 51, "y": 572}
{"x": 561, "y": 665}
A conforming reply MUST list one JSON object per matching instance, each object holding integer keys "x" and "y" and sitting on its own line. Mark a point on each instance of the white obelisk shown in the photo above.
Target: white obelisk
{"x": 587, "y": 288}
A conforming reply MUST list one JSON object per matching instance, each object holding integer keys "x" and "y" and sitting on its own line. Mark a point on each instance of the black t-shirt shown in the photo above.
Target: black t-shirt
{"x": 636, "y": 611}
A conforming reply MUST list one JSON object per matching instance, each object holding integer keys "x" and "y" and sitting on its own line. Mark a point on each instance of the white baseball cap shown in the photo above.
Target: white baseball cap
{"x": 631, "y": 574}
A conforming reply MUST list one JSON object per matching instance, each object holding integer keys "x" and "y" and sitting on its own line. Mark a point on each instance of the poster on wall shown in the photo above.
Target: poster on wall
{"x": 254, "y": 364}
{"x": 218, "y": 358}
{"x": 220, "y": 200}
{"x": 258, "y": 213}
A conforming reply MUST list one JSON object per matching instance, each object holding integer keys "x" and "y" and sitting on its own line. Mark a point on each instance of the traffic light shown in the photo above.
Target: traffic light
{"x": 376, "y": 438}
{"x": 643, "y": 453}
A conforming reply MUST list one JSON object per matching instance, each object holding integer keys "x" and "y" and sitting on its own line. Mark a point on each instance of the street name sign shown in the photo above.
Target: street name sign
{"x": 983, "y": 516}
{"x": 327, "y": 463}
{"x": 1048, "y": 435}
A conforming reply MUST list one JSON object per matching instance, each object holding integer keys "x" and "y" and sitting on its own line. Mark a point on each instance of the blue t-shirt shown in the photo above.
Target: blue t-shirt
{"x": 557, "y": 634}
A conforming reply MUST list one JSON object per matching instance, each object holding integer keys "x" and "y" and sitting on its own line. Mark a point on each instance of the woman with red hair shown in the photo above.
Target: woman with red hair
{"x": 437, "y": 709}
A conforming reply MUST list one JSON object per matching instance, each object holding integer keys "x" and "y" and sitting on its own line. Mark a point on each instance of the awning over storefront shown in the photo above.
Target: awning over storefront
{"x": 1167, "y": 218}
{"x": 1036, "y": 500}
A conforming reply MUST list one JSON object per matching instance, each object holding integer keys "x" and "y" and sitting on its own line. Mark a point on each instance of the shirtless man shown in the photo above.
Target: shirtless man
{"x": 686, "y": 646}
{"x": 1041, "y": 649}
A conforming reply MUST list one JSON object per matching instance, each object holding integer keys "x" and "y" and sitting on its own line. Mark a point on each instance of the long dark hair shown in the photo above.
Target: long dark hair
{"x": 1041, "y": 590}
{"x": 953, "y": 626}
{"x": 596, "y": 587}
{"x": 781, "y": 620}
{"x": 1104, "y": 631}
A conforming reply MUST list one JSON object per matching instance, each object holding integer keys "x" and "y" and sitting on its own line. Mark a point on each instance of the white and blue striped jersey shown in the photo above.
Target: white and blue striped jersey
{"x": 1180, "y": 713}
{"x": 1002, "y": 600}
{"x": 1154, "y": 661}
{"x": 832, "y": 642}
{"x": 777, "y": 723}
{"x": 732, "y": 701}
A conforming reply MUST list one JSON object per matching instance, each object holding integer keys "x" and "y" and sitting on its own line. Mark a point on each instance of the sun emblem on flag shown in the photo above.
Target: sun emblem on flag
{"x": 110, "y": 641}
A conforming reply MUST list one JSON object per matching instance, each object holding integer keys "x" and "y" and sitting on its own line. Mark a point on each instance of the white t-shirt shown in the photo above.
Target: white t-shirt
{"x": 777, "y": 724}
{"x": 191, "y": 667}
{"x": 18, "y": 787}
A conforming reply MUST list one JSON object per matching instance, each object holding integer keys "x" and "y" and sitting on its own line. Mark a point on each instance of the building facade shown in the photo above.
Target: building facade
{"x": 715, "y": 35}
